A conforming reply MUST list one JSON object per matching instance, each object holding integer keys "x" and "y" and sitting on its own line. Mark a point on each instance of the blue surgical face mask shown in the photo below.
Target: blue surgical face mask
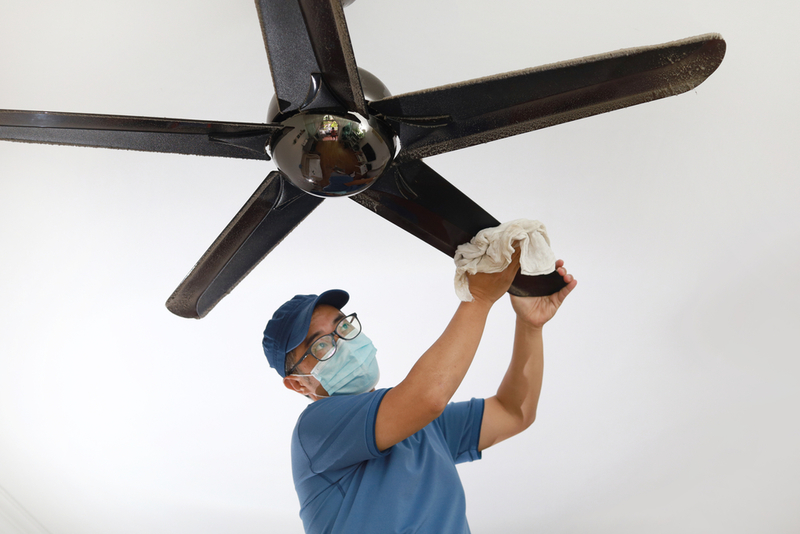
{"x": 353, "y": 369}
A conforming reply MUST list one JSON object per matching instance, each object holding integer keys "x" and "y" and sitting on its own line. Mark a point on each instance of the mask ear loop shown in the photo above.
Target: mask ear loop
{"x": 315, "y": 394}
{"x": 339, "y": 342}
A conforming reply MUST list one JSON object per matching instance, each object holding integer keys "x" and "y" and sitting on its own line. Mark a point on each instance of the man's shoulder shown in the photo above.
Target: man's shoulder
{"x": 337, "y": 405}
{"x": 336, "y": 423}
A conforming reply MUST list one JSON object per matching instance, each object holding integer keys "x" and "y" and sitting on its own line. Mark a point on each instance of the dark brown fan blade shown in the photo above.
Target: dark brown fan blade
{"x": 464, "y": 114}
{"x": 310, "y": 55}
{"x": 273, "y": 211}
{"x": 418, "y": 200}
{"x": 177, "y": 136}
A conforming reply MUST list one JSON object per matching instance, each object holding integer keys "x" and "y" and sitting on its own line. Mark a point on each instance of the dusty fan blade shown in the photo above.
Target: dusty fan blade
{"x": 310, "y": 55}
{"x": 464, "y": 114}
{"x": 418, "y": 200}
{"x": 273, "y": 211}
{"x": 177, "y": 136}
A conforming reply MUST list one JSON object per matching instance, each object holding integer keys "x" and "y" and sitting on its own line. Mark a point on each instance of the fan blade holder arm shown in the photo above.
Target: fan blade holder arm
{"x": 418, "y": 200}
{"x": 310, "y": 55}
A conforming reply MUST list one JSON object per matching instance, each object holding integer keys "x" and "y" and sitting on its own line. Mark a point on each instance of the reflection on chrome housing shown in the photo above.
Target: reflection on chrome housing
{"x": 333, "y": 155}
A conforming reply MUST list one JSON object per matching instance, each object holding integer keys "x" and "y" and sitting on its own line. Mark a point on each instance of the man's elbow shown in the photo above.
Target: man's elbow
{"x": 525, "y": 418}
{"x": 433, "y": 402}
{"x": 435, "y": 405}
{"x": 518, "y": 424}
{"x": 528, "y": 420}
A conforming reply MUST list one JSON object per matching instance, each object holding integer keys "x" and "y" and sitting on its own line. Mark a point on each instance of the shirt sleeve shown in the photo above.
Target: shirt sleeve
{"x": 460, "y": 424}
{"x": 339, "y": 432}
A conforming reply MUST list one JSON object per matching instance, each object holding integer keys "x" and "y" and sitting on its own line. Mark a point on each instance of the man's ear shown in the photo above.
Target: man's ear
{"x": 296, "y": 383}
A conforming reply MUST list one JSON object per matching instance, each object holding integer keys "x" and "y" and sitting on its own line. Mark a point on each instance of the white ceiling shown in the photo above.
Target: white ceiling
{"x": 669, "y": 403}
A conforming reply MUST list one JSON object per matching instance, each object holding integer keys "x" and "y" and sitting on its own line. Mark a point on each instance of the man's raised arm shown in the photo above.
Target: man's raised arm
{"x": 513, "y": 408}
{"x": 423, "y": 395}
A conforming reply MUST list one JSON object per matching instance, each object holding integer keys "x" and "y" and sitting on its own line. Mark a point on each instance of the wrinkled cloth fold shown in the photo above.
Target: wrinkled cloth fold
{"x": 491, "y": 249}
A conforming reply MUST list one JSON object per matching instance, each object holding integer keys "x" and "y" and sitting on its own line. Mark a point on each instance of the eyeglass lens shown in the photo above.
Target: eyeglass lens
{"x": 347, "y": 329}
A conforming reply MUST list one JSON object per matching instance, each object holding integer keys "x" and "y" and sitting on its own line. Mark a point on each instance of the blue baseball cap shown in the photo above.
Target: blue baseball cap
{"x": 289, "y": 324}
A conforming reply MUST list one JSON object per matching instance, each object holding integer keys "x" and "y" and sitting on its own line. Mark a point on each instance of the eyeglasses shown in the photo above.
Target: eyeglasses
{"x": 324, "y": 347}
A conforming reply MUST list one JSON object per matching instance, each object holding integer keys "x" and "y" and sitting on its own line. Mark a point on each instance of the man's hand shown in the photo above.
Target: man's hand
{"x": 489, "y": 287}
{"x": 536, "y": 311}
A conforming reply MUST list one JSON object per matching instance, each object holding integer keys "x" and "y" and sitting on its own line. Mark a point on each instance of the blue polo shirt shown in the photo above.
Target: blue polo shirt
{"x": 346, "y": 485}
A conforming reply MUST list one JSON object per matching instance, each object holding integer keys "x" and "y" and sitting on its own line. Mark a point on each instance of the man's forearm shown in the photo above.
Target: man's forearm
{"x": 423, "y": 395}
{"x": 519, "y": 391}
{"x": 440, "y": 370}
{"x": 513, "y": 409}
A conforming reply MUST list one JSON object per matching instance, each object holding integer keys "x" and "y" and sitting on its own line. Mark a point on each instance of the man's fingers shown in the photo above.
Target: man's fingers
{"x": 568, "y": 279}
{"x": 566, "y": 290}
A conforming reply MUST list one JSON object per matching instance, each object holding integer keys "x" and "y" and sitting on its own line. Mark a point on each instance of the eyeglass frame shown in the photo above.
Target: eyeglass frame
{"x": 332, "y": 334}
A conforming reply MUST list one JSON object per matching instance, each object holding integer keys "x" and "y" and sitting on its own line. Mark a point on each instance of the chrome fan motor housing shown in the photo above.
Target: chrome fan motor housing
{"x": 330, "y": 155}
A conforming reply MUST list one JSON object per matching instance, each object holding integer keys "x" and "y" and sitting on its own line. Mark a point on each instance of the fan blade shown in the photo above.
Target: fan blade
{"x": 456, "y": 116}
{"x": 418, "y": 200}
{"x": 273, "y": 211}
{"x": 310, "y": 55}
{"x": 202, "y": 138}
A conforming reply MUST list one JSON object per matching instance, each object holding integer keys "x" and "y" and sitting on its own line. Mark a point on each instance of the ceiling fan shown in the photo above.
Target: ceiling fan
{"x": 334, "y": 130}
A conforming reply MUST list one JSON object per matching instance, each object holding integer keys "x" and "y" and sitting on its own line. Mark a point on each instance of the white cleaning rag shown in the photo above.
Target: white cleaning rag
{"x": 490, "y": 252}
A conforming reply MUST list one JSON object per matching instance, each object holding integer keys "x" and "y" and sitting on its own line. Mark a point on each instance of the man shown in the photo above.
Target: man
{"x": 372, "y": 461}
